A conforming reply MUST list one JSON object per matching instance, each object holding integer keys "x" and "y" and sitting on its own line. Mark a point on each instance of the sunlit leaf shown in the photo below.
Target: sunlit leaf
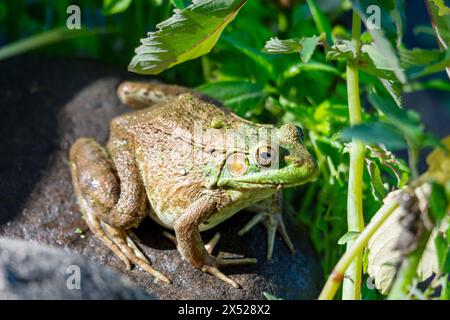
{"x": 381, "y": 42}
{"x": 305, "y": 47}
{"x": 187, "y": 35}
{"x": 342, "y": 50}
{"x": 111, "y": 7}
{"x": 443, "y": 9}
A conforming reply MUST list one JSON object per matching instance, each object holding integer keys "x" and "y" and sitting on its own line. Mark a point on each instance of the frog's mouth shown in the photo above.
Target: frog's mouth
{"x": 289, "y": 176}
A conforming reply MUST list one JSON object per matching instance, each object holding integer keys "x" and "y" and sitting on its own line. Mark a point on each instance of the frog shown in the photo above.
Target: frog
{"x": 187, "y": 162}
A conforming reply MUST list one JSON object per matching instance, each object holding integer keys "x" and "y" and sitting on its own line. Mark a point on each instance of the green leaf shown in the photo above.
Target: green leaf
{"x": 347, "y": 237}
{"x": 376, "y": 133}
{"x": 270, "y": 296}
{"x": 321, "y": 21}
{"x": 442, "y": 250}
{"x": 443, "y": 9}
{"x": 298, "y": 67}
{"x": 111, "y": 7}
{"x": 180, "y": 4}
{"x": 407, "y": 122}
{"x": 304, "y": 46}
{"x": 373, "y": 62}
{"x": 242, "y": 97}
{"x": 381, "y": 42}
{"x": 438, "y": 201}
{"x": 261, "y": 59}
{"x": 440, "y": 23}
{"x": 187, "y": 35}
{"x": 342, "y": 50}
{"x": 375, "y": 177}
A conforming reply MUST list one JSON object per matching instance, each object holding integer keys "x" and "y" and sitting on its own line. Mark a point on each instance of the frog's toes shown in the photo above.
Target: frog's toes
{"x": 273, "y": 223}
{"x": 127, "y": 247}
{"x": 214, "y": 270}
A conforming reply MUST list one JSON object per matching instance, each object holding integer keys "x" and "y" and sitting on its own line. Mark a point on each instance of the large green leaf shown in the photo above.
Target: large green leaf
{"x": 188, "y": 34}
{"x": 241, "y": 96}
{"x": 376, "y": 133}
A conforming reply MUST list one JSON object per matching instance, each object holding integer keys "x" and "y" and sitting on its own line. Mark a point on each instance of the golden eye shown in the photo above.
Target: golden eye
{"x": 265, "y": 155}
{"x": 237, "y": 164}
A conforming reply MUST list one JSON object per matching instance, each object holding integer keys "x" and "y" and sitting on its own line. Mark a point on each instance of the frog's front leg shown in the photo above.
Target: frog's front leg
{"x": 190, "y": 244}
{"x": 110, "y": 204}
{"x": 269, "y": 212}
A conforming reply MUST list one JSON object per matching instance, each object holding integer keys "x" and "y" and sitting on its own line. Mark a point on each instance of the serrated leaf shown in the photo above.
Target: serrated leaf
{"x": 347, "y": 237}
{"x": 188, "y": 34}
{"x": 240, "y": 96}
{"x": 342, "y": 50}
{"x": 111, "y": 7}
{"x": 381, "y": 42}
{"x": 304, "y": 46}
{"x": 376, "y": 133}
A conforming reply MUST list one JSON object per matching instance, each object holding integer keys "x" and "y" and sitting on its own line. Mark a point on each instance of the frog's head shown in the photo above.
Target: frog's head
{"x": 283, "y": 162}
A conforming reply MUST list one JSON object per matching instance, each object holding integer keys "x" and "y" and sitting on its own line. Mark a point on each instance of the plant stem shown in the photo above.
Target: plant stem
{"x": 334, "y": 280}
{"x": 355, "y": 219}
{"x": 46, "y": 38}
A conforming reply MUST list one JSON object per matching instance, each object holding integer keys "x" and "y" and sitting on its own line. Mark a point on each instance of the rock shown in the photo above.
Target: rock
{"x": 46, "y": 105}
{"x": 33, "y": 271}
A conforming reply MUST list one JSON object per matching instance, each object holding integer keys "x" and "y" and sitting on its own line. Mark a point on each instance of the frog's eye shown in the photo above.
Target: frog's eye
{"x": 264, "y": 156}
{"x": 237, "y": 164}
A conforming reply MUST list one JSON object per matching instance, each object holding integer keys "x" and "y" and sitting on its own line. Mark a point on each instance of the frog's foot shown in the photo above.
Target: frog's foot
{"x": 121, "y": 243}
{"x": 209, "y": 246}
{"x": 219, "y": 261}
{"x": 272, "y": 222}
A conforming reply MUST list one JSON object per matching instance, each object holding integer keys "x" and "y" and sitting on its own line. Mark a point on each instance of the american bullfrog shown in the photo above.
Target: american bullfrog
{"x": 189, "y": 164}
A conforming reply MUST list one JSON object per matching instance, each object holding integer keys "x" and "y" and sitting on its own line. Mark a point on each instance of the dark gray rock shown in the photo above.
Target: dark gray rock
{"x": 46, "y": 104}
{"x": 33, "y": 271}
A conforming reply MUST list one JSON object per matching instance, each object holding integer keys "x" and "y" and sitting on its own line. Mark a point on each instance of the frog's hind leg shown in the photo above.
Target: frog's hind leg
{"x": 98, "y": 192}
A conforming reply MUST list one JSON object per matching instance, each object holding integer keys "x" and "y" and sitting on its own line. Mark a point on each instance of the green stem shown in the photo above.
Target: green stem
{"x": 355, "y": 219}
{"x": 334, "y": 280}
{"x": 46, "y": 38}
